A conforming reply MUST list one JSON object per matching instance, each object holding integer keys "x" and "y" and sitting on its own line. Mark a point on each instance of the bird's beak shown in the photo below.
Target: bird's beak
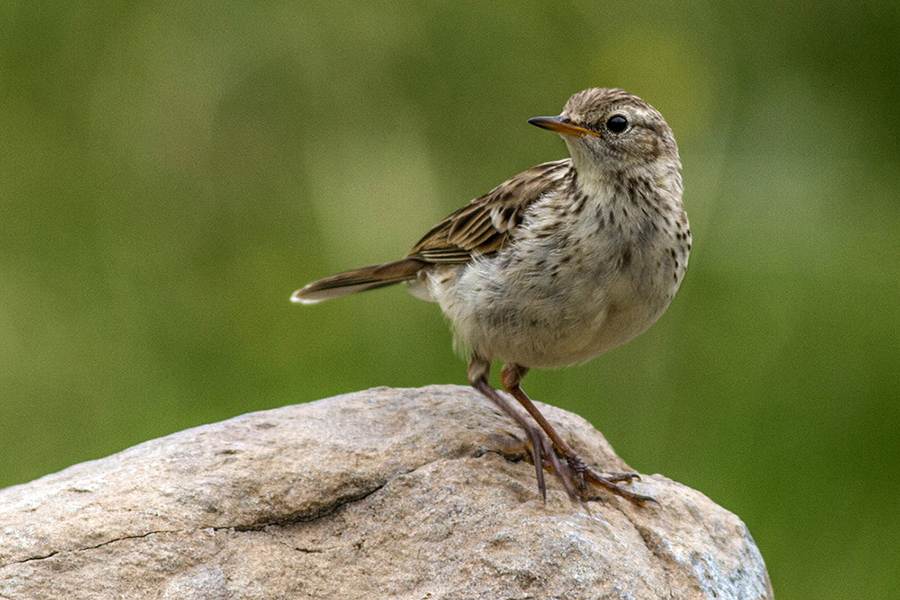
{"x": 561, "y": 124}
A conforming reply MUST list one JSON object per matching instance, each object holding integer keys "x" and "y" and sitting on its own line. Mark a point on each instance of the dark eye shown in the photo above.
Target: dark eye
{"x": 617, "y": 123}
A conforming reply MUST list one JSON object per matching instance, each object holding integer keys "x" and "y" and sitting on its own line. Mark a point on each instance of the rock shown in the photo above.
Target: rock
{"x": 413, "y": 493}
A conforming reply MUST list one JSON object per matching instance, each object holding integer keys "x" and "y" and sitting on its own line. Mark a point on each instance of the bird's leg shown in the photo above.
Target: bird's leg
{"x": 478, "y": 372}
{"x": 511, "y": 376}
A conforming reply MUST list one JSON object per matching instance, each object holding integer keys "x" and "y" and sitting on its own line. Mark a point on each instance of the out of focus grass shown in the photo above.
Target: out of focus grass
{"x": 170, "y": 172}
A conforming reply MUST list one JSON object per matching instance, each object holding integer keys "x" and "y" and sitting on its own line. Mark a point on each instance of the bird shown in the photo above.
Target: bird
{"x": 555, "y": 266}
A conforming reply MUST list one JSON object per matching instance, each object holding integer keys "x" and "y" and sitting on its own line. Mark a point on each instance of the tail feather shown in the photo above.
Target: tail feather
{"x": 358, "y": 280}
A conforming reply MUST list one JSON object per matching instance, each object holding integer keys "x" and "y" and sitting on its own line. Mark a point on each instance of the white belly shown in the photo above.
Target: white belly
{"x": 524, "y": 316}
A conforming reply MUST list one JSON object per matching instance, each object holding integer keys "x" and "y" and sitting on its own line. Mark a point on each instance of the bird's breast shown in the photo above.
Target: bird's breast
{"x": 572, "y": 285}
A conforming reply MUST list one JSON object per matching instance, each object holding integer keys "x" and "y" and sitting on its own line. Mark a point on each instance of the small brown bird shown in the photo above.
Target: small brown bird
{"x": 557, "y": 265}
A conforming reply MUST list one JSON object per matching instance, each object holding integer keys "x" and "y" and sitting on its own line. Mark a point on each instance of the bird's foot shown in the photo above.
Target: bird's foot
{"x": 576, "y": 477}
{"x": 584, "y": 475}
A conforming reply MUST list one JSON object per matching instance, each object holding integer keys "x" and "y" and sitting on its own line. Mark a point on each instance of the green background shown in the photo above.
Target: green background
{"x": 171, "y": 171}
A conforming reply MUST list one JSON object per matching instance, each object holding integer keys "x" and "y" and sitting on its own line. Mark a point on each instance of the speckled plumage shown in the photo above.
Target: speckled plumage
{"x": 560, "y": 263}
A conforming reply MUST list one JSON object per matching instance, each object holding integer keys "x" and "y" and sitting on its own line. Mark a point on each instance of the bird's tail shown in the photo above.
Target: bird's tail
{"x": 358, "y": 280}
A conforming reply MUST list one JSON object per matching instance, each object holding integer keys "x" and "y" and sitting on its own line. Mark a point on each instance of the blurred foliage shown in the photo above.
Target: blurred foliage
{"x": 171, "y": 171}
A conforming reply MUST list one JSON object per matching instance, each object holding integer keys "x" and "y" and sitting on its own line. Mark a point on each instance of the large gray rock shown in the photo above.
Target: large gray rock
{"x": 416, "y": 493}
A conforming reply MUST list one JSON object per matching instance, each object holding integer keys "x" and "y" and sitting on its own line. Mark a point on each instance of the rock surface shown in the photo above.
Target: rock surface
{"x": 410, "y": 493}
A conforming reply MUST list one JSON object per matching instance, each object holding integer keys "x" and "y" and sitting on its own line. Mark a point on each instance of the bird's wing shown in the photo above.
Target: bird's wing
{"x": 486, "y": 224}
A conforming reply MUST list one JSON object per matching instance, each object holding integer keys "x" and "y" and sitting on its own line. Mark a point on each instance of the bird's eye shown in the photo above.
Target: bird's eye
{"x": 617, "y": 123}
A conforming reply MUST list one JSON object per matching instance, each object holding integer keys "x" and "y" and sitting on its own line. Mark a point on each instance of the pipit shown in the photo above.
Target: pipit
{"x": 557, "y": 265}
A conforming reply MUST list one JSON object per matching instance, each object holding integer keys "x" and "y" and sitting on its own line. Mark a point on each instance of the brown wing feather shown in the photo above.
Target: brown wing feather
{"x": 486, "y": 224}
{"x": 482, "y": 227}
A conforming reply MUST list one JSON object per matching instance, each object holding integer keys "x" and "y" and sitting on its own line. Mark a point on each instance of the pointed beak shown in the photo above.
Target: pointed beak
{"x": 562, "y": 124}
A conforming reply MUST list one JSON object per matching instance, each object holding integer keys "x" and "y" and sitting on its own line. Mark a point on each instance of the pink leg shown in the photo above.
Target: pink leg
{"x": 511, "y": 375}
{"x": 479, "y": 369}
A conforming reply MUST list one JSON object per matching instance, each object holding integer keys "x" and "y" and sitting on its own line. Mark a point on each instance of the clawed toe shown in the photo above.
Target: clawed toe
{"x": 577, "y": 478}
{"x": 620, "y": 477}
{"x": 609, "y": 484}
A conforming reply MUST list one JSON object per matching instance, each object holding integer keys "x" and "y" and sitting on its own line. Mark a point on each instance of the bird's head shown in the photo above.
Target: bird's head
{"x": 609, "y": 130}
